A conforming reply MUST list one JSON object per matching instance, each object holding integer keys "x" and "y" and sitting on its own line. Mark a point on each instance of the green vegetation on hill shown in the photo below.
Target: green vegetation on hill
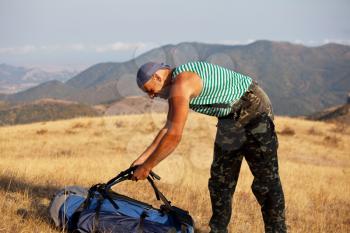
{"x": 43, "y": 111}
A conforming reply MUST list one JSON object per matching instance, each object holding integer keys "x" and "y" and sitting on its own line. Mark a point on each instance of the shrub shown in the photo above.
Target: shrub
{"x": 81, "y": 125}
{"x": 332, "y": 140}
{"x": 314, "y": 131}
{"x": 287, "y": 131}
{"x": 63, "y": 153}
{"x": 98, "y": 133}
{"x": 339, "y": 128}
{"x": 78, "y": 125}
{"x": 70, "y": 131}
{"x": 41, "y": 131}
{"x": 119, "y": 124}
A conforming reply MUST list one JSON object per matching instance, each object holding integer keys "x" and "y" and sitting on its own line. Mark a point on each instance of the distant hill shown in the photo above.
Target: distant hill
{"x": 14, "y": 79}
{"x": 51, "y": 89}
{"x": 335, "y": 114}
{"x": 299, "y": 80}
{"x": 2, "y": 96}
{"x": 43, "y": 110}
{"x": 4, "y": 105}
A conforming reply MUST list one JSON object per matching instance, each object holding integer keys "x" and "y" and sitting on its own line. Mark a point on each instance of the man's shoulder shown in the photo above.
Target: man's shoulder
{"x": 187, "y": 82}
{"x": 186, "y": 77}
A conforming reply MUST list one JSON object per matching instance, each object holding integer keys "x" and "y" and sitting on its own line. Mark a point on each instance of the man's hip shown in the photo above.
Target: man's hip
{"x": 252, "y": 104}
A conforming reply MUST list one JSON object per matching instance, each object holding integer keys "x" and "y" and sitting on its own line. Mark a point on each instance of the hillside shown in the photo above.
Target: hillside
{"x": 54, "y": 109}
{"x": 136, "y": 105}
{"x": 339, "y": 114}
{"x": 39, "y": 159}
{"x": 43, "y": 110}
{"x": 300, "y": 80}
{"x": 2, "y": 96}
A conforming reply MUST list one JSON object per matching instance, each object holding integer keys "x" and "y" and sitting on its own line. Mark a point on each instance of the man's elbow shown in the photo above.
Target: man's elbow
{"x": 174, "y": 136}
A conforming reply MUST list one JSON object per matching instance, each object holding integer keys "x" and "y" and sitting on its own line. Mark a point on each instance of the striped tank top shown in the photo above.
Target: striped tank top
{"x": 221, "y": 87}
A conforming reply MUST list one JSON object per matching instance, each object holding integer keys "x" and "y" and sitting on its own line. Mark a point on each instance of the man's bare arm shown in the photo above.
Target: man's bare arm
{"x": 150, "y": 149}
{"x": 179, "y": 103}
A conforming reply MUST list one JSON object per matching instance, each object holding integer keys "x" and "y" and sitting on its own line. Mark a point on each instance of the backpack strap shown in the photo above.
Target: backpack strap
{"x": 103, "y": 194}
{"x": 127, "y": 174}
{"x": 159, "y": 194}
{"x": 97, "y": 216}
{"x": 140, "y": 224}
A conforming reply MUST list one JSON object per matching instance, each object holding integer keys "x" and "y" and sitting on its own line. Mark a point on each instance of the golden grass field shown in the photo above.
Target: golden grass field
{"x": 38, "y": 159}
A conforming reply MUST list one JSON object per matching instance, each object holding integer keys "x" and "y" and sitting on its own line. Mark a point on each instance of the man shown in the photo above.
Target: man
{"x": 245, "y": 128}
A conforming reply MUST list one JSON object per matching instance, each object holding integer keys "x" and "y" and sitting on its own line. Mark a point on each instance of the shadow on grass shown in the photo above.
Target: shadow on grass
{"x": 36, "y": 193}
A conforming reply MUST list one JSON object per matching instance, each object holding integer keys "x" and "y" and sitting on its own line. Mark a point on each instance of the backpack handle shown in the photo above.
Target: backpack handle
{"x": 127, "y": 174}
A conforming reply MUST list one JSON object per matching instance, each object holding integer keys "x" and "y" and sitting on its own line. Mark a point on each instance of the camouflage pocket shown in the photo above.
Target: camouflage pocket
{"x": 262, "y": 131}
{"x": 252, "y": 104}
{"x": 249, "y": 108}
{"x": 230, "y": 136}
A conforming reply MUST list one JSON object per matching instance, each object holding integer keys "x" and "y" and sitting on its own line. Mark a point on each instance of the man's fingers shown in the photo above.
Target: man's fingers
{"x": 134, "y": 178}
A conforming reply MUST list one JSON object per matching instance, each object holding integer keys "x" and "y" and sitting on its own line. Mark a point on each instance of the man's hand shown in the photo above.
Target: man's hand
{"x": 141, "y": 172}
{"x": 138, "y": 161}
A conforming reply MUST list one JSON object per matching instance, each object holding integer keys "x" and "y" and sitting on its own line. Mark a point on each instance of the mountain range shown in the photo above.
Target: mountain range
{"x": 15, "y": 79}
{"x": 299, "y": 80}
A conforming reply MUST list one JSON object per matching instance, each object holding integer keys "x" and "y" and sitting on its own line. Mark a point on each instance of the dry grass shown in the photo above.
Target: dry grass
{"x": 33, "y": 166}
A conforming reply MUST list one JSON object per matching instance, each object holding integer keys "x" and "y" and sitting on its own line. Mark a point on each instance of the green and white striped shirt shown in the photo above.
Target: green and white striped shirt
{"x": 221, "y": 87}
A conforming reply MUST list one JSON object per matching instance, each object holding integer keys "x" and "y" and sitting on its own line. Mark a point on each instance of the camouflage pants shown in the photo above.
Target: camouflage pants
{"x": 248, "y": 133}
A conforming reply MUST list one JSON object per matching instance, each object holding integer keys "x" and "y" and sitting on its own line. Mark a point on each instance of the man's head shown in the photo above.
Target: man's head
{"x": 154, "y": 79}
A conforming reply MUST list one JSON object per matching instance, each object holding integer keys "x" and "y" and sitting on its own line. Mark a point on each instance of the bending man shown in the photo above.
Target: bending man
{"x": 245, "y": 129}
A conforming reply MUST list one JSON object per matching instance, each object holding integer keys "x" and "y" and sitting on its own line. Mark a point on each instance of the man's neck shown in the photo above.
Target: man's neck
{"x": 168, "y": 75}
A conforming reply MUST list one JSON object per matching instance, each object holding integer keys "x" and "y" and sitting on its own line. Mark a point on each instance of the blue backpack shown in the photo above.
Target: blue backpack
{"x": 101, "y": 210}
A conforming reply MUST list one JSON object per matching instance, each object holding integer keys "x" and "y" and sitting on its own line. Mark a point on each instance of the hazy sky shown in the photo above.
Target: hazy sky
{"x": 85, "y": 32}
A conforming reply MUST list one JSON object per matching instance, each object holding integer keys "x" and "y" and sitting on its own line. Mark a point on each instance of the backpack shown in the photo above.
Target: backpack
{"x": 101, "y": 210}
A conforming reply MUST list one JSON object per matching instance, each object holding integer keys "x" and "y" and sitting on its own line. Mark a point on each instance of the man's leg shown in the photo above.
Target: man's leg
{"x": 224, "y": 174}
{"x": 261, "y": 154}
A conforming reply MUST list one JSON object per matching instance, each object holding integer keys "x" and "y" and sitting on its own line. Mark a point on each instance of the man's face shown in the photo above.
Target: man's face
{"x": 155, "y": 87}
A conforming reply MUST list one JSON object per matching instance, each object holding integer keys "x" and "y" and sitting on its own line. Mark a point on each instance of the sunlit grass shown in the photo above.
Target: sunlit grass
{"x": 38, "y": 159}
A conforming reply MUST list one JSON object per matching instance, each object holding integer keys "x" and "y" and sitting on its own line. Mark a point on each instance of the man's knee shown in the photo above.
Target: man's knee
{"x": 270, "y": 194}
{"x": 223, "y": 180}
